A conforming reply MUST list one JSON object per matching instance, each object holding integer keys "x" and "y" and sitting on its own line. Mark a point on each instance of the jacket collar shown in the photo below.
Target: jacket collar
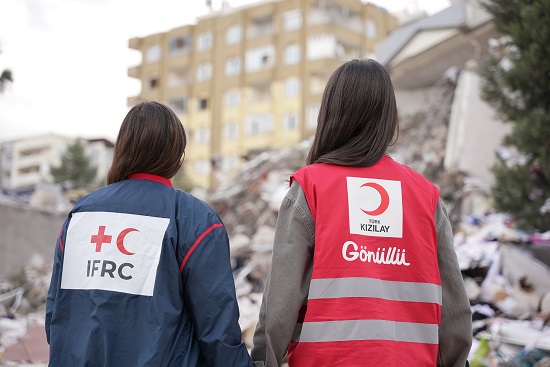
{"x": 150, "y": 177}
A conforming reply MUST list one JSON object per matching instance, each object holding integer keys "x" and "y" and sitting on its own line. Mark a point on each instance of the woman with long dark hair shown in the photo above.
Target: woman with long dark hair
{"x": 364, "y": 271}
{"x": 141, "y": 273}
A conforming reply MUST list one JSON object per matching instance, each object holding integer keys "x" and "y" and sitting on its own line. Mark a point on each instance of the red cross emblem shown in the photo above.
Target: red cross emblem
{"x": 100, "y": 238}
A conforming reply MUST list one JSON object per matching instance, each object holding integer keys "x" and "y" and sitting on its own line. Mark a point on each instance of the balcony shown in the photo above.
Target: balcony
{"x": 260, "y": 58}
{"x": 346, "y": 52}
{"x": 135, "y": 43}
{"x": 179, "y": 77}
{"x": 260, "y": 93}
{"x": 261, "y": 27}
{"x": 330, "y": 16}
{"x": 134, "y": 71}
{"x": 323, "y": 46}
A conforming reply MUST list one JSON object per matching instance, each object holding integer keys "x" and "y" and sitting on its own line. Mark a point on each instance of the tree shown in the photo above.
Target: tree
{"x": 517, "y": 84}
{"x": 5, "y": 77}
{"x": 75, "y": 166}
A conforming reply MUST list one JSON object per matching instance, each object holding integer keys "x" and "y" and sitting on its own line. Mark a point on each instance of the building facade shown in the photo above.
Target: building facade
{"x": 26, "y": 162}
{"x": 250, "y": 78}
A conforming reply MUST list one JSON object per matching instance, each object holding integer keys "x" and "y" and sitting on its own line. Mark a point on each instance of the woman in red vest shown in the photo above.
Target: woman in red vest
{"x": 364, "y": 271}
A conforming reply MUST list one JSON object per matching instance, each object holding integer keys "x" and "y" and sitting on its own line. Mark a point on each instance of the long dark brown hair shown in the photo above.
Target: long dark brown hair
{"x": 151, "y": 140}
{"x": 358, "y": 116}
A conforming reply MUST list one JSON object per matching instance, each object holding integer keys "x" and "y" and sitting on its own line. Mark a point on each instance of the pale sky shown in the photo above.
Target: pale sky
{"x": 69, "y": 59}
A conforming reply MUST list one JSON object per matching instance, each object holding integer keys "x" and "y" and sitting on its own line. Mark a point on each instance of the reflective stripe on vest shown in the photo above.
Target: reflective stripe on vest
{"x": 334, "y": 331}
{"x": 369, "y": 287}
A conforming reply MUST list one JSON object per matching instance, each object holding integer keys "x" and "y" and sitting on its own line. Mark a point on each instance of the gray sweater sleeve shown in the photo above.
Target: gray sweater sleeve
{"x": 288, "y": 280}
{"x": 290, "y": 275}
{"x": 455, "y": 331}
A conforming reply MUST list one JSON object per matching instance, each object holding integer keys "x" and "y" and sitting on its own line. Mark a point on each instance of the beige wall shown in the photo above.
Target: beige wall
{"x": 422, "y": 42}
{"x": 475, "y": 131}
{"x": 26, "y": 232}
{"x": 411, "y": 101}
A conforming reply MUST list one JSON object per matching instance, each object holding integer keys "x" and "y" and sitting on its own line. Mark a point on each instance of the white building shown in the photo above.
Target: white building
{"x": 27, "y": 162}
{"x": 100, "y": 152}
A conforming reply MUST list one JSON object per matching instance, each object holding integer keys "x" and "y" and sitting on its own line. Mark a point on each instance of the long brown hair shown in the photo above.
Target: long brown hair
{"x": 151, "y": 140}
{"x": 358, "y": 116}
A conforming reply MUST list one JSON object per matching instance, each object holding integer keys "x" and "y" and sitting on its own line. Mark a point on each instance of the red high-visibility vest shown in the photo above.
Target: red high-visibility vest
{"x": 375, "y": 293}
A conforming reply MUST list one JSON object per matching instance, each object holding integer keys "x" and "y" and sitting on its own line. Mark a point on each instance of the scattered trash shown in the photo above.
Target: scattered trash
{"x": 507, "y": 278}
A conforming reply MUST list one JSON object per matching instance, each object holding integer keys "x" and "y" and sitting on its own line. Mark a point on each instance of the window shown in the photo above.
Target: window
{"x": 260, "y": 58}
{"x": 202, "y": 135}
{"x": 153, "y": 83}
{"x": 292, "y": 20}
{"x": 179, "y": 45}
{"x": 260, "y": 92}
{"x": 321, "y": 46}
{"x": 261, "y": 26}
{"x": 202, "y": 167}
{"x": 204, "y": 72}
{"x": 316, "y": 84}
{"x": 203, "y": 104}
{"x": 230, "y": 163}
{"x": 234, "y": 35}
{"x": 178, "y": 77}
{"x": 204, "y": 41}
{"x": 233, "y": 66}
{"x": 371, "y": 30}
{"x": 178, "y": 105}
{"x": 312, "y": 113}
{"x": 290, "y": 121}
{"x": 292, "y": 54}
{"x": 231, "y": 131}
{"x": 258, "y": 124}
{"x": 27, "y": 170}
{"x": 153, "y": 53}
{"x": 232, "y": 98}
{"x": 33, "y": 151}
{"x": 292, "y": 87}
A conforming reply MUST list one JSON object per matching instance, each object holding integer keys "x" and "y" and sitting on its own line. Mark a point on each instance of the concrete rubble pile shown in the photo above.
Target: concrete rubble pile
{"x": 422, "y": 146}
{"x": 507, "y": 277}
{"x": 248, "y": 205}
{"x": 22, "y": 310}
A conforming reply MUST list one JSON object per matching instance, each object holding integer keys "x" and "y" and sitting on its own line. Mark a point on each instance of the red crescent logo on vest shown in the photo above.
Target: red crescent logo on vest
{"x": 384, "y": 202}
{"x": 120, "y": 241}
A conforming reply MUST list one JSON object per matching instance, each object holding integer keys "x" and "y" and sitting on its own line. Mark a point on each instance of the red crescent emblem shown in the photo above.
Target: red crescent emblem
{"x": 120, "y": 241}
{"x": 384, "y": 202}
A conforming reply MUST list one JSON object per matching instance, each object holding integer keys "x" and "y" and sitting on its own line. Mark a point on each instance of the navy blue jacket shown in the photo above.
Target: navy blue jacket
{"x": 142, "y": 277}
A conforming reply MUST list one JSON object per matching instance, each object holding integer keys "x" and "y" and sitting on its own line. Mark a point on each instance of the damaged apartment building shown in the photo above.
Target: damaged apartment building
{"x": 251, "y": 78}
